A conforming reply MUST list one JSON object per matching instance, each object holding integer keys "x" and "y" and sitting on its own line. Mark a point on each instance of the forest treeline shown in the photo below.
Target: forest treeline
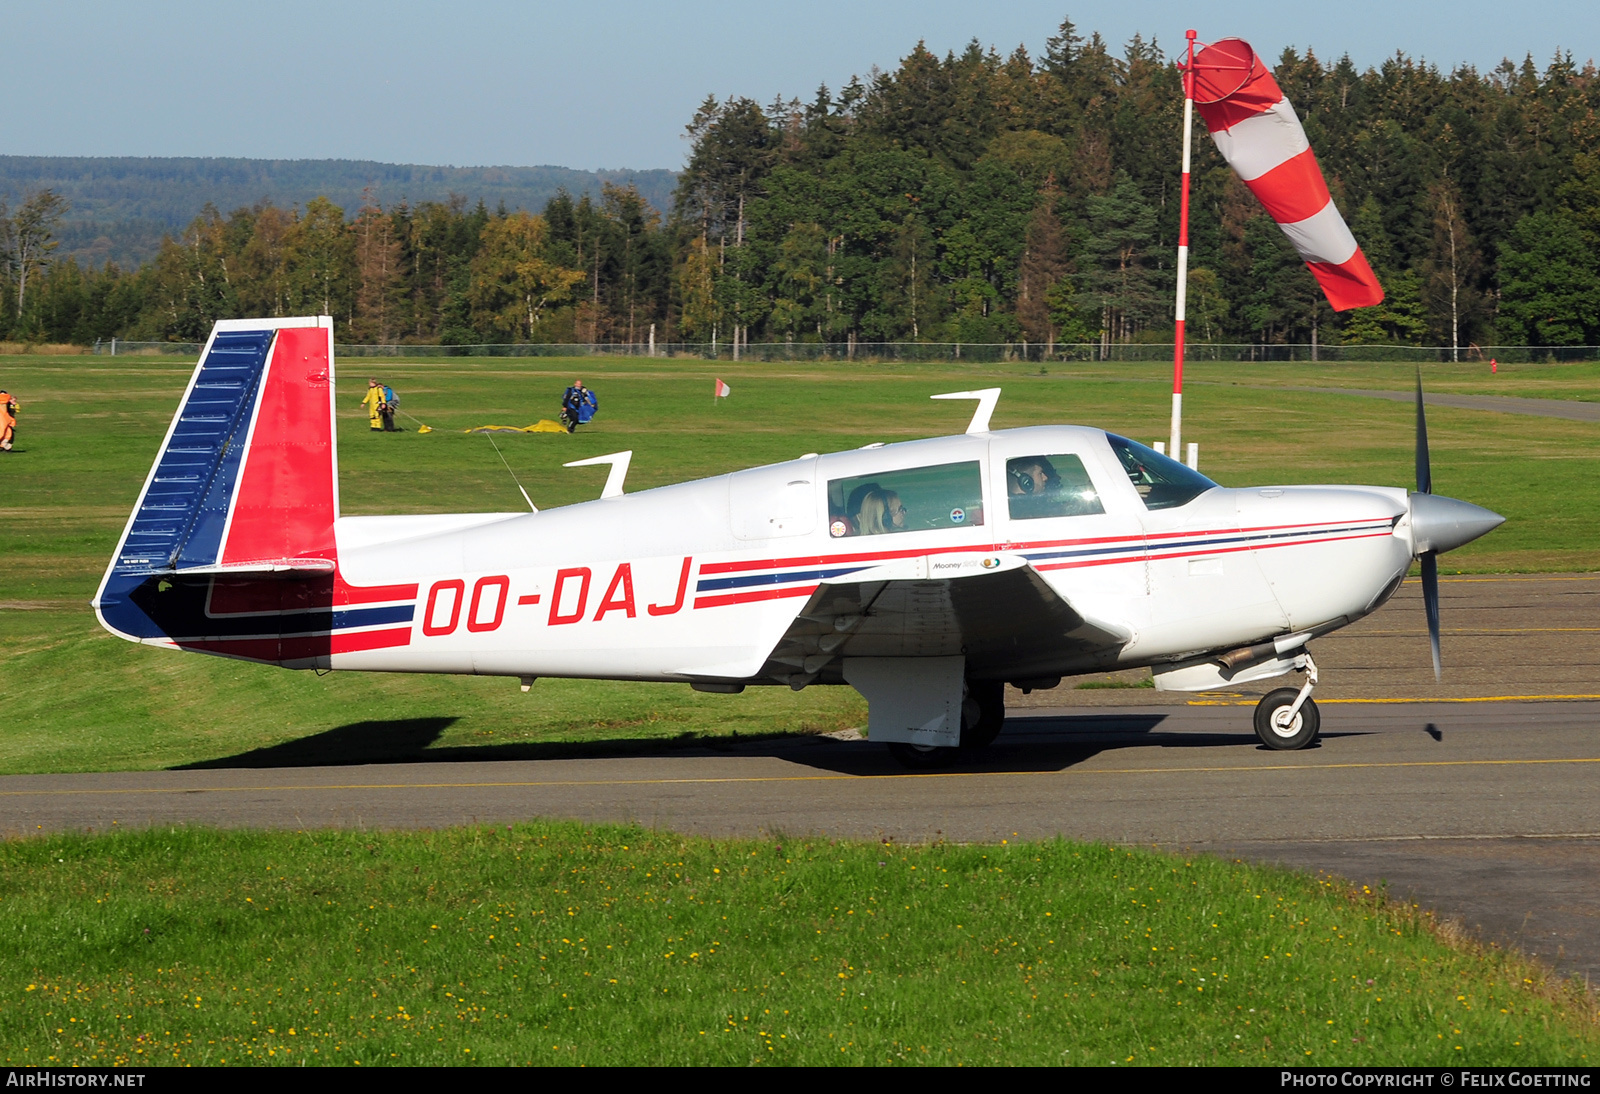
{"x": 970, "y": 198}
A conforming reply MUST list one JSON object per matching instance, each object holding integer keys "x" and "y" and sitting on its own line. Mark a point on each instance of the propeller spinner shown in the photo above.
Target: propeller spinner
{"x": 1438, "y": 525}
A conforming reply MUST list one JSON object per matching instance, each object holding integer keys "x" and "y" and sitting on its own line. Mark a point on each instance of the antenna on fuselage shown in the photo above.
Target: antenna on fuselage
{"x": 986, "y": 400}
{"x": 619, "y": 470}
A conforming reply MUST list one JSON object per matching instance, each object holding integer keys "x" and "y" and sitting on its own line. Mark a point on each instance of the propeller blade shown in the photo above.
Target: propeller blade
{"x": 1424, "y": 473}
{"x": 1430, "y": 602}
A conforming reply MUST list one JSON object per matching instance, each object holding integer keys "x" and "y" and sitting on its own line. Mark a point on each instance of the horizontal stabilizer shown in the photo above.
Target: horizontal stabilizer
{"x": 278, "y": 567}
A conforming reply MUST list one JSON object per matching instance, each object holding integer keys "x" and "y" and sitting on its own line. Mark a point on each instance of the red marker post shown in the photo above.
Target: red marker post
{"x": 1175, "y": 450}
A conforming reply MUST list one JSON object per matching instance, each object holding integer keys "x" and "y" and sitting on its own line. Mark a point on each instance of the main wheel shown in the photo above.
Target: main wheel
{"x": 983, "y": 713}
{"x": 1277, "y": 730}
{"x": 922, "y": 757}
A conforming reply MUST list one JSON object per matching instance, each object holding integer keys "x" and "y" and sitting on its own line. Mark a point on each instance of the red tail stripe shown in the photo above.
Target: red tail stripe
{"x": 284, "y": 507}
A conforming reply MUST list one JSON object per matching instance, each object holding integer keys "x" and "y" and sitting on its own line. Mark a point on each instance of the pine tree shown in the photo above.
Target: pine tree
{"x": 1118, "y": 266}
{"x": 1044, "y": 263}
{"x": 378, "y": 268}
{"x": 1549, "y": 283}
{"x": 320, "y": 263}
{"x": 1401, "y": 317}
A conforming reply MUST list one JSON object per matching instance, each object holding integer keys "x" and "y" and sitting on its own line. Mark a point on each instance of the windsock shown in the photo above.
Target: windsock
{"x": 1260, "y": 136}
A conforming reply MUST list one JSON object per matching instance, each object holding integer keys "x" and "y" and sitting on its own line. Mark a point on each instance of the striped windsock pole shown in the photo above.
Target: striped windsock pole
{"x": 1175, "y": 449}
{"x": 1260, "y": 136}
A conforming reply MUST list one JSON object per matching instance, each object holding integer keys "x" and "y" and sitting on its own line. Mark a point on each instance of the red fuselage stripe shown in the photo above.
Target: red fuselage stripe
{"x": 1133, "y": 541}
{"x": 745, "y": 598}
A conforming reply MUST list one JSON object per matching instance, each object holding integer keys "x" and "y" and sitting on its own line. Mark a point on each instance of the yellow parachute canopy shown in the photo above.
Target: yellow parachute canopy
{"x": 543, "y": 425}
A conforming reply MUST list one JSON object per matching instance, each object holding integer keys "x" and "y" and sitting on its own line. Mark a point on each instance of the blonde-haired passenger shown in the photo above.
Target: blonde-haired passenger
{"x": 881, "y": 512}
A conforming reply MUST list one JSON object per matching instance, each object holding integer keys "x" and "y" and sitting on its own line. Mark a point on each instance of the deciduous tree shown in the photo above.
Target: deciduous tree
{"x": 513, "y": 282}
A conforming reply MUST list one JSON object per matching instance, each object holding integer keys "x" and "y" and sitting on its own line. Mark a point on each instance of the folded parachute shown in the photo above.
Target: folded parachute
{"x": 1258, "y": 133}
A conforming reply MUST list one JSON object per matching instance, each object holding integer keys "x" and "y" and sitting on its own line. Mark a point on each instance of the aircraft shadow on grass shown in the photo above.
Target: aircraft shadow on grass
{"x": 412, "y": 740}
{"x": 375, "y": 742}
{"x": 1047, "y": 743}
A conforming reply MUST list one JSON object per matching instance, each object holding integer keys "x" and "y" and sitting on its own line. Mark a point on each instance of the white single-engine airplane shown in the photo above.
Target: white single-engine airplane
{"x": 926, "y": 574}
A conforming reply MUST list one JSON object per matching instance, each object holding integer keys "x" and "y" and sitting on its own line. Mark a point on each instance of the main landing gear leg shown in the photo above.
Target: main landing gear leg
{"x": 1287, "y": 719}
{"x": 983, "y": 713}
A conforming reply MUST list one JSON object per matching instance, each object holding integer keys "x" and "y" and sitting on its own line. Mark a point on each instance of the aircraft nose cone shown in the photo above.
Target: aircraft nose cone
{"x": 1443, "y": 524}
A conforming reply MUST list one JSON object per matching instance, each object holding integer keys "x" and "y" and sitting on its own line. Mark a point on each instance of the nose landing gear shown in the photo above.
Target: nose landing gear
{"x": 1287, "y": 719}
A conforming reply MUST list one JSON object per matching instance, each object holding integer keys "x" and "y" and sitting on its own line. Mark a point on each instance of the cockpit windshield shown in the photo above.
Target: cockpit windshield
{"x": 1162, "y": 482}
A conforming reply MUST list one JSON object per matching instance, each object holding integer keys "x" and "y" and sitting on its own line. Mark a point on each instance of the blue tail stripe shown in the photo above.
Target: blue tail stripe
{"x": 181, "y": 517}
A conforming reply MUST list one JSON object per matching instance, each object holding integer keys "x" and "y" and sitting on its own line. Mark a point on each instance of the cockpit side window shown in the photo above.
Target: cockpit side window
{"x": 1050, "y": 486}
{"x": 1163, "y": 483}
{"x": 913, "y": 499}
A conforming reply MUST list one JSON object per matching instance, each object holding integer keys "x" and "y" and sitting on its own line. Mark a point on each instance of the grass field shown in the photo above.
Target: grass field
{"x": 550, "y": 943}
{"x": 78, "y": 699}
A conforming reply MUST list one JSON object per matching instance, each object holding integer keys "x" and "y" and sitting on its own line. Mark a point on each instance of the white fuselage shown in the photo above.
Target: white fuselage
{"x": 700, "y": 580}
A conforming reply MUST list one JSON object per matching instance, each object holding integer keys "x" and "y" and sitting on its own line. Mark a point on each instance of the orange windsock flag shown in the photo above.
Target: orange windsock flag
{"x": 1260, "y": 136}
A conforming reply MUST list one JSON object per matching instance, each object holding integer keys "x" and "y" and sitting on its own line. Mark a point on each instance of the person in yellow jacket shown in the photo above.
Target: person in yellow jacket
{"x": 374, "y": 404}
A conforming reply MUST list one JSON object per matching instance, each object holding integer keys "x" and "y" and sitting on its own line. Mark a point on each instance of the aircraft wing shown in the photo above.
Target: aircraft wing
{"x": 996, "y": 610}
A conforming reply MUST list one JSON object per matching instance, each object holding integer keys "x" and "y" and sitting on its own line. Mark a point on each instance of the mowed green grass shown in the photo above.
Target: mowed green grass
{"x": 79, "y": 699}
{"x": 1578, "y": 380}
{"x": 551, "y": 943}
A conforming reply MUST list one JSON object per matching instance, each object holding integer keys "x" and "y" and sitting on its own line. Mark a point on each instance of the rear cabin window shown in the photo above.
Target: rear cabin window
{"x": 914, "y": 499}
{"x": 1049, "y": 486}
{"x": 1162, "y": 482}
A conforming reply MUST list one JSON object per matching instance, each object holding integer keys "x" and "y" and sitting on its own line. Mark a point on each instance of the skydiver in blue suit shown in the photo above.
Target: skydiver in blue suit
{"x": 578, "y": 406}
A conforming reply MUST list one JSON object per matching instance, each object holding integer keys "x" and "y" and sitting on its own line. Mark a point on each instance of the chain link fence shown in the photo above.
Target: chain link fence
{"x": 974, "y": 352}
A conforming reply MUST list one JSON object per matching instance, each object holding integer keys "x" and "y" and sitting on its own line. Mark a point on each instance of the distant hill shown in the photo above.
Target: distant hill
{"x": 122, "y": 206}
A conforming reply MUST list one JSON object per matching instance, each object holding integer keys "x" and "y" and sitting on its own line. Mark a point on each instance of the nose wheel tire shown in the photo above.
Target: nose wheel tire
{"x": 1277, "y": 729}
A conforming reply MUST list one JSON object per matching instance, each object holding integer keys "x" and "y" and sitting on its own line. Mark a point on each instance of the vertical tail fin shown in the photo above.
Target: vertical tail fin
{"x": 245, "y": 484}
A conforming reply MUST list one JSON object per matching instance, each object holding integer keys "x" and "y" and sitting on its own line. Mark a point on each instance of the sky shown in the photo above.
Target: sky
{"x": 599, "y": 84}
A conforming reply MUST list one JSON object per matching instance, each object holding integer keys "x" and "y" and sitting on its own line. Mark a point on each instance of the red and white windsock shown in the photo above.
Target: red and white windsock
{"x": 1258, "y": 133}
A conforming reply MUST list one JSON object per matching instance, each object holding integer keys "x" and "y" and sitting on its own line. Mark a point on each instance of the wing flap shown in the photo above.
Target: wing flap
{"x": 995, "y": 610}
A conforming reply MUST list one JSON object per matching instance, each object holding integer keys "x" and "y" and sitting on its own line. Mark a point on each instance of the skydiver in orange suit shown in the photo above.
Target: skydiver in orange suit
{"x": 8, "y": 420}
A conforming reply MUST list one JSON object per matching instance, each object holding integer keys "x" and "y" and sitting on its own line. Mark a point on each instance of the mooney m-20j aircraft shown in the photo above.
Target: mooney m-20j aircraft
{"x": 927, "y": 574}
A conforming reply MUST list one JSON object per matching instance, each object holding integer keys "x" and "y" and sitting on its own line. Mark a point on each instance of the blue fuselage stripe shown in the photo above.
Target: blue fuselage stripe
{"x": 747, "y": 580}
{"x": 312, "y": 622}
{"x": 1204, "y": 541}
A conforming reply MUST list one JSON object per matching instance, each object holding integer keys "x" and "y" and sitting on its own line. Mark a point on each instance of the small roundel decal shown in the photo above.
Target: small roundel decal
{"x": 957, "y": 516}
{"x": 838, "y": 528}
